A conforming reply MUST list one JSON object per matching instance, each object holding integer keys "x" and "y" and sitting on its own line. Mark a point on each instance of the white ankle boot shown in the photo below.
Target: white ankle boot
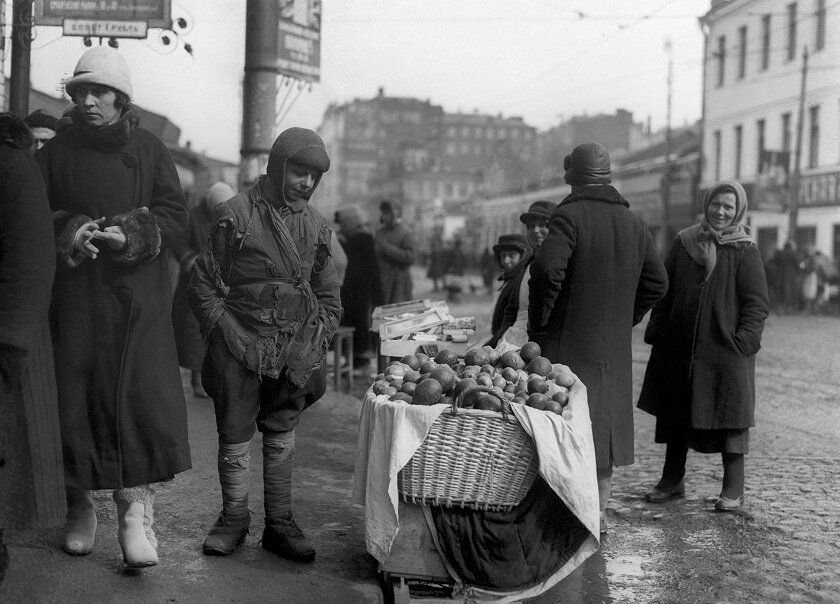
{"x": 80, "y": 528}
{"x": 137, "y": 539}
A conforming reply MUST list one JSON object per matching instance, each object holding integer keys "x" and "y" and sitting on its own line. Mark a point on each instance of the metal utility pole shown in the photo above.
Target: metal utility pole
{"x": 793, "y": 187}
{"x": 259, "y": 89}
{"x": 21, "y": 41}
{"x": 666, "y": 179}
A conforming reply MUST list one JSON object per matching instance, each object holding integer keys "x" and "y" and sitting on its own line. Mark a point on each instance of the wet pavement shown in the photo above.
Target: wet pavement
{"x": 784, "y": 546}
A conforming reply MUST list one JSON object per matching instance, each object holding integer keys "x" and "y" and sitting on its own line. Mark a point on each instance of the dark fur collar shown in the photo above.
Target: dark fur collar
{"x": 602, "y": 193}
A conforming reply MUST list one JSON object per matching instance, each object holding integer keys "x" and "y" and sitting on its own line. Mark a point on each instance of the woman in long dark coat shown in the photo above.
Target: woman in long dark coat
{"x": 118, "y": 203}
{"x": 512, "y": 254}
{"x": 700, "y": 379}
{"x": 361, "y": 289}
{"x": 31, "y": 471}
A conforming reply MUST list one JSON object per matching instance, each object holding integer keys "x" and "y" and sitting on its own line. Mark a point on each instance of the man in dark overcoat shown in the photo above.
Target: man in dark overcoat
{"x": 395, "y": 253}
{"x": 595, "y": 276}
{"x": 31, "y": 467}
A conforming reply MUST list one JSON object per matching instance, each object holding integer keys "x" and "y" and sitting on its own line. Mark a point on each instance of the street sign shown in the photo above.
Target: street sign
{"x": 105, "y": 29}
{"x": 299, "y": 39}
{"x": 155, "y": 13}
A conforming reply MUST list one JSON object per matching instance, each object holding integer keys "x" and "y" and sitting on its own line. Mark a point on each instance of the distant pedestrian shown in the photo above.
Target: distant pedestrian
{"x": 361, "y": 291}
{"x": 31, "y": 471}
{"x": 515, "y": 314}
{"x": 808, "y": 281}
{"x": 437, "y": 262}
{"x": 43, "y": 127}
{"x": 266, "y": 293}
{"x": 118, "y": 208}
{"x": 788, "y": 266}
{"x": 190, "y": 344}
{"x": 593, "y": 279}
{"x": 456, "y": 265}
{"x": 512, "y": 253}
{"x": 395, "y": 253}
{"x": 700, "y": 379}
{"x": 489, "y": 267}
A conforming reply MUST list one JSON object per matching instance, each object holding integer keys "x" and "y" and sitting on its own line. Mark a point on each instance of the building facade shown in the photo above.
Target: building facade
{"x": 763, "y": 128}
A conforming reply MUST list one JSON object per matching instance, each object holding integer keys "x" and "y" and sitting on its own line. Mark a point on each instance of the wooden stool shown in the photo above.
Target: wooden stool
{"x": 343, "y": 345}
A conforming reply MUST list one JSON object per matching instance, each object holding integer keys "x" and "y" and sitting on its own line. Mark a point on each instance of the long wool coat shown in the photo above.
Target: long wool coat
{"x": 123, "y": 414}
{"x": 395, "y": 253}
{"x": 705, "y": 334}
{"x": 595, "y": 276}
{"x": 31, "y": 470}
{"x": 361, "y": 290}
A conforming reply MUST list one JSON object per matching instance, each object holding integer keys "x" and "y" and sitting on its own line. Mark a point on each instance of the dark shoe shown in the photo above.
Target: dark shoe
{"x": 660, "y": 494}
{"x": 285, "y": 539}
{"x": 724, "y": 504}
{"x": 225, "y": 536}
{"x": 4, "y": 561}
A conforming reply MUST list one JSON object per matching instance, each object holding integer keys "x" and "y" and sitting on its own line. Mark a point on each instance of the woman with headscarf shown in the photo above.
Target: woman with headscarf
{"x": 118, "y": 207}
{"x": 705, "y": 332}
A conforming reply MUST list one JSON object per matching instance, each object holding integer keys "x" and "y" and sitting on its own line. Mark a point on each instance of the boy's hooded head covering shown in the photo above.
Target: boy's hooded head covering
{"x": 104, "y": 66}
{"x": 302, "y": 146}
{"x": 587, "y": 164}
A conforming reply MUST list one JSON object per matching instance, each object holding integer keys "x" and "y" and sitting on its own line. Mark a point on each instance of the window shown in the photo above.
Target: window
{"x": 721, "y": 59}
{"x": 791, "y": 38}
{"x": 814, "y": 136}
{"x": 787, "y": 135}
{"x": 759, "y": 130}
{"x": 742, "y": 51}
{"x": 739, "y": 140}
{"x": 820, "y": 41}
{"x": 765, "y": 42}
{"x": 717, "y": 155}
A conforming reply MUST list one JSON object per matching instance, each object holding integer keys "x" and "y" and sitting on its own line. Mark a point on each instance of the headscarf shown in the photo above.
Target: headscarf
{"x": 702, "y": 239}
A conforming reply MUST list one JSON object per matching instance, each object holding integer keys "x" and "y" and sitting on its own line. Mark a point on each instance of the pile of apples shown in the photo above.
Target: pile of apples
{"x": 483, "y": 379}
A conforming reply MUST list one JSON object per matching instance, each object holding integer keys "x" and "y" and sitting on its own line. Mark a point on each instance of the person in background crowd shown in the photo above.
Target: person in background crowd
{"x": 705, "y": 333}
{"x": 593, "y": 279}
{"x": 190, "y": 345}
{"x": 809, "y": 281}
{"x": 118, "y": 206}
{"x": 512, "y": 253}
{"x": 31, "y": 473}
{"x": 789, "y": 276}
{"x": 266, "y": 294}
{"x": 361, "y": 290}
{"x": 43, "y": 127}
{"x": 826, "y": 273}
{"x": 395, "y": 253}
{"x": 456, "y": 264}
{"x": 437, "y": 262}
{"x": 515, "y": 313}
{"x": 489, "y": 267}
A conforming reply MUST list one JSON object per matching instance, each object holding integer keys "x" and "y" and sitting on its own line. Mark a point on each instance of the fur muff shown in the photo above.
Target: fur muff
{"x": 142, "y": 236}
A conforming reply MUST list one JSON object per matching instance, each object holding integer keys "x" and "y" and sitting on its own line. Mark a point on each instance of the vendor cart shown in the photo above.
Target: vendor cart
{"x": 417, "y": 557}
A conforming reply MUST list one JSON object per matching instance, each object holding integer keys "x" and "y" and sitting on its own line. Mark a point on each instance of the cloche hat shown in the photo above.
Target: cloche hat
{"x": 587, "y": 164}
{"x": 104, "y": 66}
{"x": 513, "y": 242}
{"x": 539, "y": 209}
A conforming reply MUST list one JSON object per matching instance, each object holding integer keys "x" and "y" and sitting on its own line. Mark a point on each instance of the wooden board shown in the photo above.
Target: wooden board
{"x": 413, "y": 553}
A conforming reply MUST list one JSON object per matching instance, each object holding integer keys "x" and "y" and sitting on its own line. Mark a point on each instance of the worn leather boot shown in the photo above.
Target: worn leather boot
{"x": 284, "y": 538}
{"x": 135, "y": 509}
{"x": 231, "y": 527}
{"x": 80, "y": 528}
{"x": 281, "y": 535}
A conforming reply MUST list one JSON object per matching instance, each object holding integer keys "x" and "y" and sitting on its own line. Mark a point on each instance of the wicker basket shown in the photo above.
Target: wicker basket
{"x": 481, "y": 460}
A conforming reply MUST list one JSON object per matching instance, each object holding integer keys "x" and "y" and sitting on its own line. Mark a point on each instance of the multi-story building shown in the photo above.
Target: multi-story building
{"x": 763, "y": 128}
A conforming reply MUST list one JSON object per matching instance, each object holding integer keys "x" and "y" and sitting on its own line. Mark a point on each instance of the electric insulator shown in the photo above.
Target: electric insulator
{"x": 113, "y": 43}
{"x": 165, "y": 39}
{"x": 181, "y": 22}
{"x": 87, "y": 41}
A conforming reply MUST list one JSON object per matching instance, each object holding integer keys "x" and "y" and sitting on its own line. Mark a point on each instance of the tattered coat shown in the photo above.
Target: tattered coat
{"x": 123, "y": 413}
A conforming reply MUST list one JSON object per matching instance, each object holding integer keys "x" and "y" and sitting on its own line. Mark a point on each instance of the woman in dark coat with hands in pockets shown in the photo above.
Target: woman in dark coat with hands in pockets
{"x": 706, "y": 331}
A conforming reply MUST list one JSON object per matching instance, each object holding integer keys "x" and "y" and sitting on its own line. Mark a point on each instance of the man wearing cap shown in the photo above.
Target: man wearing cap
{"x": 42, "y": 125}
{"x": 117, "y": 209}
{"x": 266, "y": 295}
{"x": 595, "y": 276}
{"x": 511, "y": 254}
{"x": 395, "y": 253}
{"x": 516, "y": 309}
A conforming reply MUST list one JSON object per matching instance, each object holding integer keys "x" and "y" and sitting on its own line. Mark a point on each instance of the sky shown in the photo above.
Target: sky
{"x": 542, "y": 60}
